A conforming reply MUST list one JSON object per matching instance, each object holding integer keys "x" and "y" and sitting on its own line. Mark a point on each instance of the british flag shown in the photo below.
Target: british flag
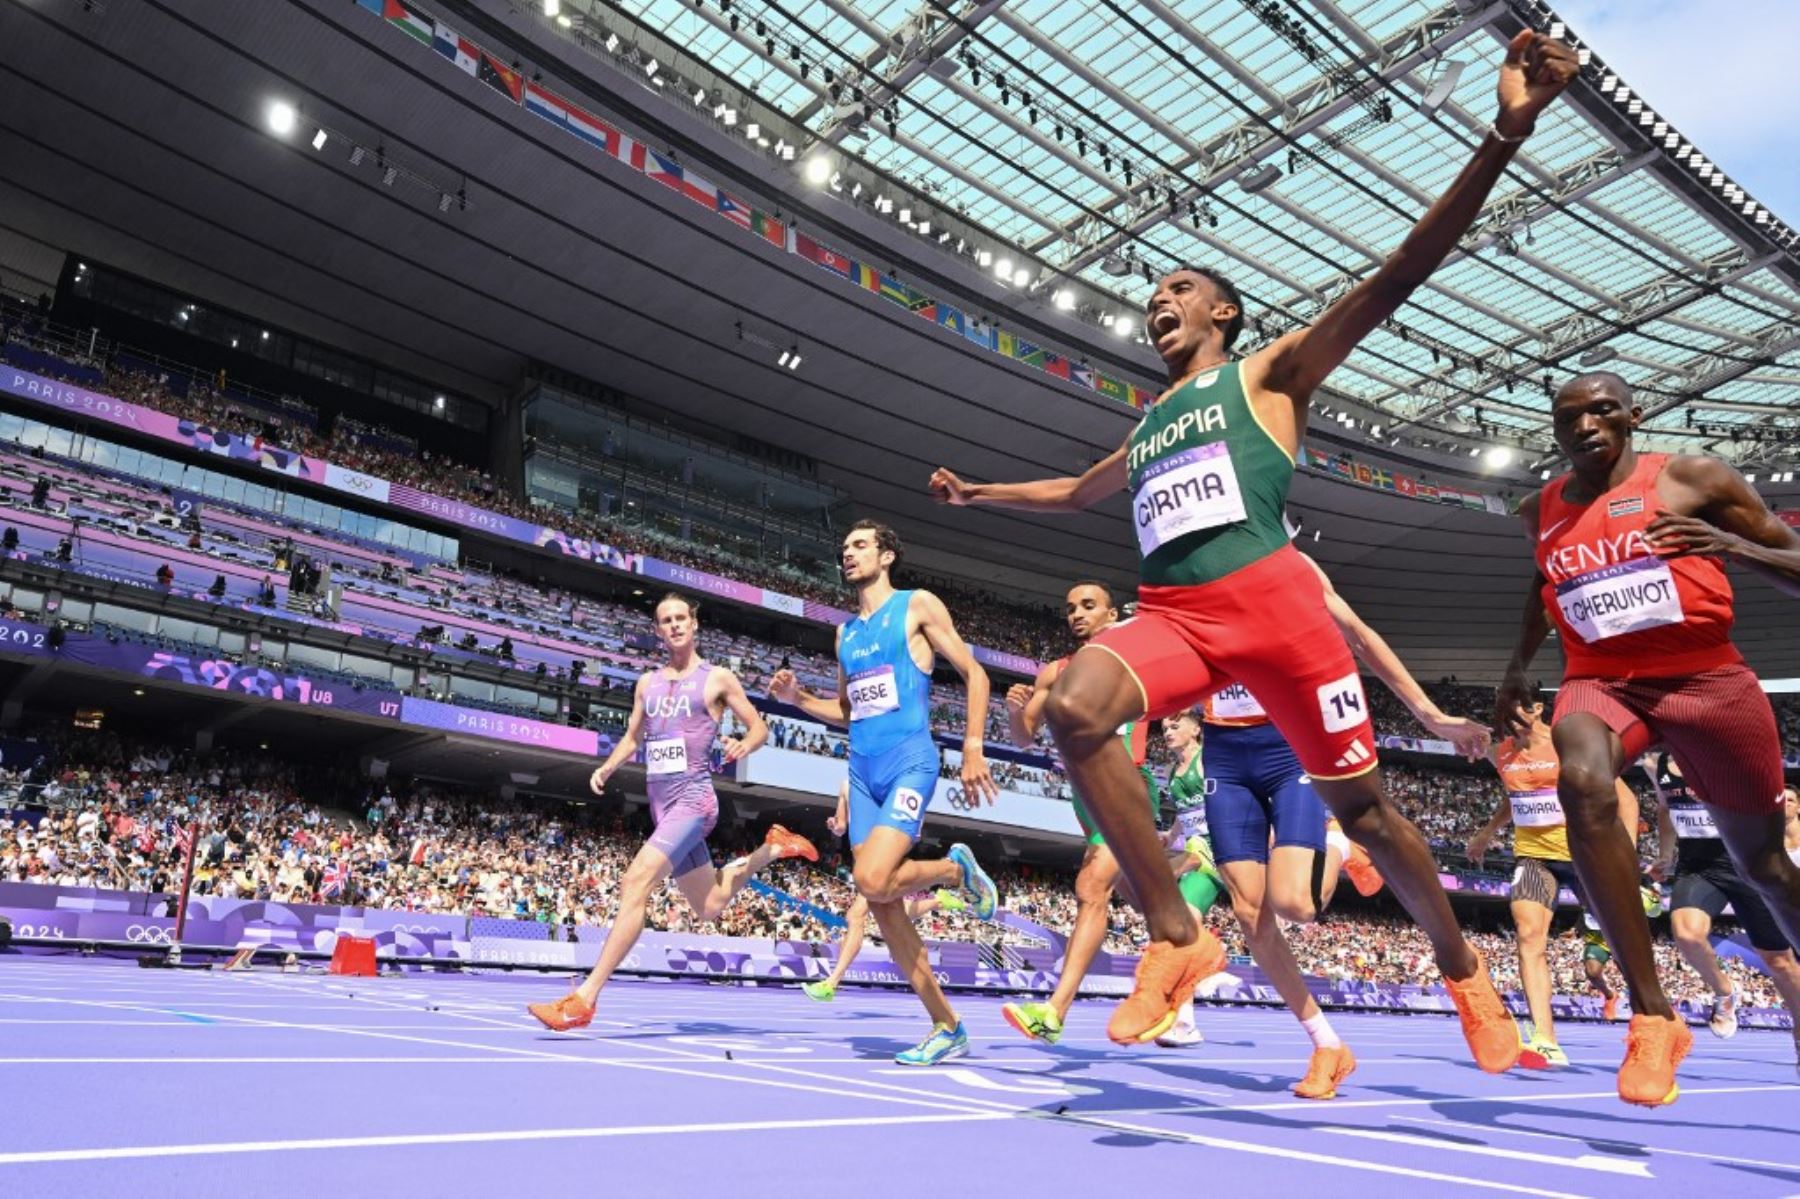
{"x": 336, "y": 875}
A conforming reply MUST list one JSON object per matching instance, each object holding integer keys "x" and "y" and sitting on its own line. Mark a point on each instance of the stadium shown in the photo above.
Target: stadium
{"x": 533, "y": 530}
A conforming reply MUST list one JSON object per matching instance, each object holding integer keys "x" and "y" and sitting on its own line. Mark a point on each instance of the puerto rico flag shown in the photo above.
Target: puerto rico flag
{"x": 733, "y": 210}
{"x": 455, "y": 47}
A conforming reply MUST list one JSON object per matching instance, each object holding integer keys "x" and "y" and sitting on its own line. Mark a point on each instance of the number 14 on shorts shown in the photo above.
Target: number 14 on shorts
{"x": 1341, "y": 704}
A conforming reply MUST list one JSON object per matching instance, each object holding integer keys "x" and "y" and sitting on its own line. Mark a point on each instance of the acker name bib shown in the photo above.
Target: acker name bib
{"x": 1693, "y": 823}
{"x": 1236, "y": 703}
{"x": 667, "y": 756}
{"x": 1537, "y": 809}
{"x": 873, "y": 692}
{"x": 1614, "y": 600}
{"x": 1195, "y": 489}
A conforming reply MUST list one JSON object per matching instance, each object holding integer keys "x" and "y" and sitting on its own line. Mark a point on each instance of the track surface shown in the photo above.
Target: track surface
{"x": 121, "y": 1081}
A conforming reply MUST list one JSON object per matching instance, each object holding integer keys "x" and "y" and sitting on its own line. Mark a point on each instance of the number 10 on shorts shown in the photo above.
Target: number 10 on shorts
{"x": 1342, "y": 705}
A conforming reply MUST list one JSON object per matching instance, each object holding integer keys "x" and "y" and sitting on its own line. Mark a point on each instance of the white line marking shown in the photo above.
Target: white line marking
{"x": 974, "y": 1078}
{"x": 278, "y": 1061}
{"x": 1606, "y": 1165}
{"x": 1602, "y": 1137}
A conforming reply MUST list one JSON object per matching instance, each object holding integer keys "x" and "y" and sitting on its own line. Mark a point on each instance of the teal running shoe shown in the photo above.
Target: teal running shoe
{"x": 822, "y": 991}
{"x": 943, "y": 1044}
{"x": 984, "y": 897}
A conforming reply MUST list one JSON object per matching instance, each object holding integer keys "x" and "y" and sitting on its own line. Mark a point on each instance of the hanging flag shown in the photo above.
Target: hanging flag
{"x": 1317, "y": 459}
{"x": 1364, "y": 475}
{"x": 404, "y": 19}
{"x": 866, "y": 277}
{"x": 1026, "y": 352}
{"x": 823, "y": 256}
{"x": 1342, "y": 468}
{"x": 700, "y": 191}
{"x": 591, "y": 129}
{"x": 1056, "y": 364}
{"x": 768, "y": 228}
{"x": 893, "y": 289}
{"x": 1112, "y": 389}
{"x": 541, "y": 101}
{"x": 982, "y": 333}
{"x": 662, "y": 170}
{"x": 1383, "y": 480}
{"x": 499, "y": 76}
{"x": 920, "y": 303}
{"x": 734, "y": 210}
{"x": 1407, "y": 486}
{"x": 1428, "y": 491}
{"x": 455, "y": 47}
{"x": 952, "y": 319}
{"x": 1004, "y": 342}
{"x": 1142, "y": 400}
{"x": 1082, "y": 375}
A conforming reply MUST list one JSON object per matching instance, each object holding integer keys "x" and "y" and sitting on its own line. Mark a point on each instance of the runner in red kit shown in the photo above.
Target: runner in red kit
{"x": 1629, "y": 553}
{"x": 1224, "y": 598}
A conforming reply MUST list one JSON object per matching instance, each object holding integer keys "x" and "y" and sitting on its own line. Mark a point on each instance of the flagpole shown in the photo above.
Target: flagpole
{"x": 187, "y": 882}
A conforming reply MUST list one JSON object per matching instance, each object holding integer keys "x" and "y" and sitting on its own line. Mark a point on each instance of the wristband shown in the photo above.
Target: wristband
{"x": 1494, "y": 132}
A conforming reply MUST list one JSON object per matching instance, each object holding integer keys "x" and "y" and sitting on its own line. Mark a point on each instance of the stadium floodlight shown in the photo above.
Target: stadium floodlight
{"x": 612, "y": 43}
{"x": 319, "y": 139}
{"x": 1003, "y": 269}
{"x": 1597, "y": 355}
{"x": 783, "y": 360}
{"x": 1115, "y": 266}
{"x": 906, "y": 216}
{"x": 984, "y": 259}
{"x": 1499, "y": 457}
{"x": 552, "y": 7}
{"x": 1260, "y": 178}
{"x": 924, "y": 228}
{"x": 438, "y": 403}
{"x": 282, "y": 118}
{"x": 1021, "y": 277}
{"x": 752, "y": 131}
{"x": 444, "y": 202}
{"x": 1443, "y": 87}
{"x": 388, "y": 176}
{"x": 563, "y": 20}
{"x": 1474, "y": 451}
{"x": 1121, "y": 327}
{"x": 1064, "y": 299}
{"x": 650, "y": 68}
{"x": 818, "y": 170}
{"x": 699, "y": 96}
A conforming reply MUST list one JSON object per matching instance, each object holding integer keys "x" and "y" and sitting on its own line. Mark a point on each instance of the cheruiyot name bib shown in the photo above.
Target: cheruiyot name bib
{"x": 873, "y": 692}
{"x": 1236, "y": 703}
{"x": 1537, "y": 809}
{"x": 1195, "y": 489}
{"x": 1615, "y": 600}
{"x": 666, "y": 756}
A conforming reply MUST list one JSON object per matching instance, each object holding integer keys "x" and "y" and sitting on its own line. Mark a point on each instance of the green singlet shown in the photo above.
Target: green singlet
{"x": 1092, "y": 830}
{"x": 1208, "y": 483}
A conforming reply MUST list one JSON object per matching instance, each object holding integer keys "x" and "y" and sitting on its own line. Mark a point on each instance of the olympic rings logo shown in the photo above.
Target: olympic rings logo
{"x": 148, "y": 934}
{"x": 961, "y": 800}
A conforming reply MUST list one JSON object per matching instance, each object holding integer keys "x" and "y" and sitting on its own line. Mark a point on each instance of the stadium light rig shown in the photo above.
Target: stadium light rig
{"x": 281, "y": 117}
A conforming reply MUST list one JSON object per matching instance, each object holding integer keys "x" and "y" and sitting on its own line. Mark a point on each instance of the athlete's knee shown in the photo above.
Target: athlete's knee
{"x": 1078, "y": 709}
{"x": 1690, "y": 927}
{"x": 1293, "y": 904}
{"x": 1359, "y": 807}
{"x": 875, "y": 882}
{"x": 1533, "y": 939}
{"x": 636, "y": 885}
{"x": 1094, "y": 885}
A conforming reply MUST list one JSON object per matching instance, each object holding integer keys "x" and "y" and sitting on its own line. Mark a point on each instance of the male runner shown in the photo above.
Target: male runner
{"x": 1088, "y": 608}
{"x": 885, "y": 655}
{"x": 1197, "y": 875}
{"x": 1595, "y": 954}
{"x": 1278, "y": 848}
{"x": 675, "y": 714}
{"x": 1790, "y": 799}
{"x": 856, "y": 917}
{"x": 1528, "y": 771}
{"x": 1629, "y": 550}
{"x": 1225, "y": 598}
{"x": 1692, "y": 854}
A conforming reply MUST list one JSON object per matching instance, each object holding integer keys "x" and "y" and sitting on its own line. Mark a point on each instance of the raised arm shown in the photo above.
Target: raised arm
{"x": 1072, "y": 494}
{"x": 756, "y": 729}
{"x": 1535, "y": 71}
{"x": 1479, "y": 843}
{"x": 939, "y": 630}
{"x": 628, "y": 741}
{"x": 1372, "y": 650}
{"x": 1025, "y": 706}
{"x": 830, "y": 709}
{"x": 1732, "y": 522}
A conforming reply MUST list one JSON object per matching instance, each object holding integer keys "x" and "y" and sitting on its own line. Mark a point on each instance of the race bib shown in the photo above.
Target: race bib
{"x": 1614, "y": 600}
{"x": 1236, "y": 703}
{"x": 667, "y": 756}
{"x": 1693, "y": 823}
{"x": 1537, "y": 809}
{"x": 1195, "y": 489}
{"x": 1191, "y": 821}
{"x": 873, "y": 692}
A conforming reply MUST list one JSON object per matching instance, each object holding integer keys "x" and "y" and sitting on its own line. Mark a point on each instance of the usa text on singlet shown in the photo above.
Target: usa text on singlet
{"x": 1208, "y": 483}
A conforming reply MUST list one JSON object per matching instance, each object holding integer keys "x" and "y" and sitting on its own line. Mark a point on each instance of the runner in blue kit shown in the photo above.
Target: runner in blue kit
{"x": 675, "y": 714}
{"x": 885, "y": 655}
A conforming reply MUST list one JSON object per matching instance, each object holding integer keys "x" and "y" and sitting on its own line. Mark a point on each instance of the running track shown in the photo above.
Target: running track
{"x": 121, "y": 1081}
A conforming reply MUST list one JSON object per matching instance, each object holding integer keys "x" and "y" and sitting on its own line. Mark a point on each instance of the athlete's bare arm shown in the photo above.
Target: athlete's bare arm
{"x": 934, "y": 623}
{"x": 1720, "y": 515}
{"x": 1071, "y": 494}
{"x": 1025, "y": 705}
{"x": 1478, "y": 844}
{"x": 1515, "y": 692}
{"x": 839, "y": 821}
{"x": 831, "y": 709}
{"x": 729, "y": 693}
{"x": 1536, "y": 70}
{"x": 628, "y": 740}
{"x": 1372, "y": 650}
{"x": 1664, "y": 867}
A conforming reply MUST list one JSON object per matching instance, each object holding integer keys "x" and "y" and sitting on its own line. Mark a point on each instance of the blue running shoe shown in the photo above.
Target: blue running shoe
{"x": 983, "y": 896}
{"x": 943, "y": 1044}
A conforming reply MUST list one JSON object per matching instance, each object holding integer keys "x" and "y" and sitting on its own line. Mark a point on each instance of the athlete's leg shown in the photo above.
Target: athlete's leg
{"x": 1093, "y": 898}
{"x": 709, "y": 892}
{"x": 1092, "y": 697}
{"x": 1606, "y": 860}
{"x": 1532, "y": 924}
{"x": 646, "y": 872}
{"x": 1755, "y": 843}
{"x": 1246, "y": 883}
{"x": 881, "y": 874}
{"x": 1405, "y": 861}
{"x": 854, "y": 920}
{"x": 1595, "y": 969}
{"x": 1693, "y": 937}
{"x": 1784, "y": 972}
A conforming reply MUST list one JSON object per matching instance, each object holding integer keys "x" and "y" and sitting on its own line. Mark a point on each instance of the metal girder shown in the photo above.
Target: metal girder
{"x": 1248, "y": 142}
{"x": 915, "y": 45}
{"x": 1512, "y": 212}
{"x": 1771, "y": 343}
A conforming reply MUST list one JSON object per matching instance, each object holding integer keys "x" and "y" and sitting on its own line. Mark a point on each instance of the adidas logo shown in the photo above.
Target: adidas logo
{"x": 1356, "y": 756}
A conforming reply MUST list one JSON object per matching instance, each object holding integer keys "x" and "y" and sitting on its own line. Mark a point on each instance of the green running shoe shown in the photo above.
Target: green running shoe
{"x": 943, "y": 1044}
{"x": 822, "y": 991}
{"x": 950, "y": 901}
{"x": 1038, "y": 1021}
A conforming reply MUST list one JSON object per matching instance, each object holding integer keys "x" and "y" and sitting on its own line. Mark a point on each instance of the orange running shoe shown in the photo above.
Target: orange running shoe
{"x": 1490, "y": 1030}
{"x": 1166, "y": 977}
{"x": 1327, "y": 1069}
{"x": 1363, "y": 875}
{"x": 569, "y": 1012}
{"x": 1654, "y": 1046}
{"x": 790, "y": 845}
{"x": 1609, "y": 1011}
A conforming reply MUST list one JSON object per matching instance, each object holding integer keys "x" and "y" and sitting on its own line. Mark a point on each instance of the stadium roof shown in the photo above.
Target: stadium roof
{"x": 1292, "y": 145}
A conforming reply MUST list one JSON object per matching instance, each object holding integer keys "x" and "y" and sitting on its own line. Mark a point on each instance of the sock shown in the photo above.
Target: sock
{"x": 1184, "y": 1018}
{"x": 1335, "y": 839}
{"x": 1319, "y": 1029}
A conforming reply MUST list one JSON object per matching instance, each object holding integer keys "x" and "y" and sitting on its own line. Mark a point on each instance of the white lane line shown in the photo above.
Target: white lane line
{"x": 239, "y": 1060}
{"x": 1604, "y": 1139}
{"x": 1495, "y": 1100}
{"x": 1586, "y": 1161}
{"x": 214, "y": 1148}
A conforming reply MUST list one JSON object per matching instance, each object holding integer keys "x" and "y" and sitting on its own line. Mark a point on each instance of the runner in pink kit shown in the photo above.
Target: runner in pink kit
{"x": 675, "y": 716}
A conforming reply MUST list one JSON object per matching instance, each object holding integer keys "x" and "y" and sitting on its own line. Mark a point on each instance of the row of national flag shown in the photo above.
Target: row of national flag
{"x": 541, "y": 102}
{"x": 1343, "y": 466}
